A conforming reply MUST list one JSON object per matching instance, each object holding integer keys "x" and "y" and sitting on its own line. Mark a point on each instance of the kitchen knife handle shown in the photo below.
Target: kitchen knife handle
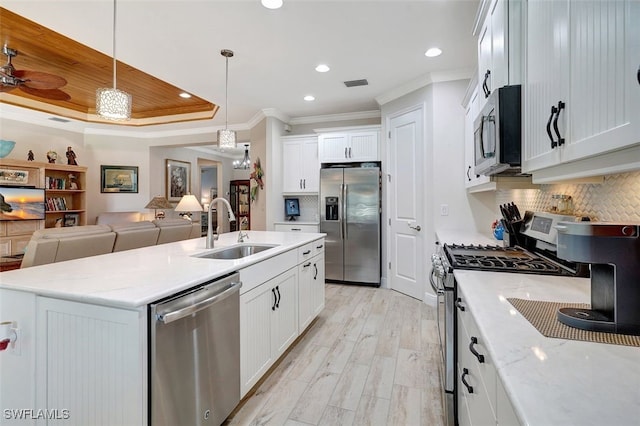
{"x": 561, "y": 106}
{"x": 553, "y": 112}
{"x": 474, "y": 341}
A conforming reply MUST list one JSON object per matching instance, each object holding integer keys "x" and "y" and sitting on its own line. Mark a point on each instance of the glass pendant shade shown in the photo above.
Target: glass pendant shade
{"x": 226, "y": 138}
{"x": 113, "y": 104}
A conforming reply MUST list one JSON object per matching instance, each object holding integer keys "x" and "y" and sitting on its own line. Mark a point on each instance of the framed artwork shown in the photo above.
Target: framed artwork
{"x": 119, "y": 179}
{"x": 14, "y": 177}
{"x": 71, "y": 219}
{"x": 178, "y": 179}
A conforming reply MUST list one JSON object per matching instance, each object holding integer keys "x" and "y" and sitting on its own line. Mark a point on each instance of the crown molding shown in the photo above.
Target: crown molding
{"x": 423, "y": 81}
{"x": 335, "y": 117}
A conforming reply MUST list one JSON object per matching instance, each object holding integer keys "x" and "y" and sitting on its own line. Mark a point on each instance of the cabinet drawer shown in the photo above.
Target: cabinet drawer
{"x": 482, "y": 375}
{"x": 318, "y": 247}
{"x": 22, "y": 227}
{"x": 305, "y": 252}
{"x": 295, "y": 228}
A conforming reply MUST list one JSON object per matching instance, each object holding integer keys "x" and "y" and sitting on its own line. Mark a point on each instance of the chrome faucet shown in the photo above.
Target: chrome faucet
{"x": 243, "y": 235}
{"x": 209, "y": 218}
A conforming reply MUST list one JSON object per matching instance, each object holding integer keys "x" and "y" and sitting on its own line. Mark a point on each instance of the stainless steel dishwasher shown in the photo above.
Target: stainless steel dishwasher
{"x": 194, "y": 354}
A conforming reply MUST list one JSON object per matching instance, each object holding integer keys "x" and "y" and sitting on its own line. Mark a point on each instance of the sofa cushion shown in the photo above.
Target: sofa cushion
{"x": 84, "y": 246}
{"x": 134, "y": 235}
{"x": 172, "y": 230}
{"x": 70, "y": 231}
{"x": 108, "y": 218}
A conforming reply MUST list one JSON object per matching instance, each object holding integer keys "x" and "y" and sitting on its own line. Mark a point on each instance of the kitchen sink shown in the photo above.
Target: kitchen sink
{"x": 236, "y": 252}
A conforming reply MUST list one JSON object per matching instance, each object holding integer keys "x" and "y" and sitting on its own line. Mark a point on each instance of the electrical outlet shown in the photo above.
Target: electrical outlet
{"x": 444, "y": 209}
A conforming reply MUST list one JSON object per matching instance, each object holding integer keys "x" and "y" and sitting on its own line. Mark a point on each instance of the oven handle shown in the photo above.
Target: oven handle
{"x": 433, "y": 284}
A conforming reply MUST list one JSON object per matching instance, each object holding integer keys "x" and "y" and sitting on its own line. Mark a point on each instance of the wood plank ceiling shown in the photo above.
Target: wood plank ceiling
{"x": 85, "y": 69}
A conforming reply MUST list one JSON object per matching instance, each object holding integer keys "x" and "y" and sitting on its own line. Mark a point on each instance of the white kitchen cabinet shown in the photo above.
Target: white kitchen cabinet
{"x": 268, "y": 325}
{"x": 300, "y": 166}
{"x": 311, "y": 286}
{"x": 349, "y": 146}
{"x": 482, "y": 399}
{"x": 499, "y": 46}
{"x": 581, "y": 95}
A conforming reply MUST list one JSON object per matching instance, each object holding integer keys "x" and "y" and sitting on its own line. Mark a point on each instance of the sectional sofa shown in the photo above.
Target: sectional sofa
{"x": 59, "y": 244}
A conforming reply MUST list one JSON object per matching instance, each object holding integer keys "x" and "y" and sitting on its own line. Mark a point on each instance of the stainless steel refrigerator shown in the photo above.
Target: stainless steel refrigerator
{"x": 350, "y": 216}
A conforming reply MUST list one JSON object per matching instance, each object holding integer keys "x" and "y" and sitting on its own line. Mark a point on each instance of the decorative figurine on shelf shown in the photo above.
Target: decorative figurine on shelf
{"x": 52, "y": 156}
{"x": 30, "y": 156}
{"x": 73, "y": 182}
{"x": 71, "y": 157}
{"x": 58, "y": 223}
{"x": 257, "y": 176}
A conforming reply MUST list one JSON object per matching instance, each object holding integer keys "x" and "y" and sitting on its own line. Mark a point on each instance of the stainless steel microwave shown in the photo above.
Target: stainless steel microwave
{"x": 498, "y": 133}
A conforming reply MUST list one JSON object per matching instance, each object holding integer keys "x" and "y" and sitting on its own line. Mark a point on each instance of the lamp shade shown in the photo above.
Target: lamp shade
{"x": 158, "y": 203}
{"x": 189, "y": 203}
{"x": 226, "y": 138}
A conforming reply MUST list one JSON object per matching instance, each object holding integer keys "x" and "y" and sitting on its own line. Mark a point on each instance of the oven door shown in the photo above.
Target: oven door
{"x": 446, "y": 334}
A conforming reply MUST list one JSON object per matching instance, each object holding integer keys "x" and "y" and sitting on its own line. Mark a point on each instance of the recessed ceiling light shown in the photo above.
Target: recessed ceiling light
{"x": 322, "y": 68}
{"x": 309, "y": 98}
{"x": 433, "y": 52}
{"x": 185, "y": 95}
{"x": 272, "y": 4}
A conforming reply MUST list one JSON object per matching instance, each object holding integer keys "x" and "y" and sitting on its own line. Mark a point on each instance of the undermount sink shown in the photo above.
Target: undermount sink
{"x": 236, "y": 252}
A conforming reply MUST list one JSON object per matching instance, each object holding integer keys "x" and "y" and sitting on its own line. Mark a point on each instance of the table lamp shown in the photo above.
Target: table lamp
{"x": 188, "y": 203}
{"x": 158, "y": 203}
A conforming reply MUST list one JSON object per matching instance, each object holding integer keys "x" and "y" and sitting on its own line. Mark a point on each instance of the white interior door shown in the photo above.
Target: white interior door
{"x": 406, "y": 211}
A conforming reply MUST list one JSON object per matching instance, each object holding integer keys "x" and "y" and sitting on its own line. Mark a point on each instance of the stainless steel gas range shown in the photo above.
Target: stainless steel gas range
{"x": 536, "y": 255}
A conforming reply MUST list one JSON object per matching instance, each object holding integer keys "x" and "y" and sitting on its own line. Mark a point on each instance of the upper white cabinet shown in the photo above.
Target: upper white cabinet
{"x": 301, "y": 169}
{"x": 499, "y": 46}
{"x": 349, "y": 146}
{"x": 581, "y": 94}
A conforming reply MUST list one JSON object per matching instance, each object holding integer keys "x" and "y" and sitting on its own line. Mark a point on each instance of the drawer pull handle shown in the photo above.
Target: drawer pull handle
{"x": 474, "y": 341}
{"x": 304, "y": 253}
{"x": 459, "y": 304}
{"x": 296, "y": 229}
{"x": 319, "y": 247}
{"x": 465, "y": 372}
{"x": 306, "y": 265}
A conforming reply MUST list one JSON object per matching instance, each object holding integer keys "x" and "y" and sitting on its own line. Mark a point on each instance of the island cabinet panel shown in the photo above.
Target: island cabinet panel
{"x": 91, "y": 362}
{"x": 268, "y": 325}
{"x": 310, "y": 290}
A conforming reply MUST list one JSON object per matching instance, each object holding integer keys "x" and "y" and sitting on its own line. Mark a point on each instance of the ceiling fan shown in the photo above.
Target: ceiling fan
{"x": 35, "y": 83}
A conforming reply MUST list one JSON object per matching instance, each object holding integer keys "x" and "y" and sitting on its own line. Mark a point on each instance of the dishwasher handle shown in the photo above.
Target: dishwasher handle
{"x": 181, "y": 313}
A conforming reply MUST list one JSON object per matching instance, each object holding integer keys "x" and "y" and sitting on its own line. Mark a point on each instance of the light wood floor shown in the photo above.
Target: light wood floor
{"x": 370, "y": 358}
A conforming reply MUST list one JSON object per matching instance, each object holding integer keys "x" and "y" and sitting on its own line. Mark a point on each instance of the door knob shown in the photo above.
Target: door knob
{"x": 417, "y": 228}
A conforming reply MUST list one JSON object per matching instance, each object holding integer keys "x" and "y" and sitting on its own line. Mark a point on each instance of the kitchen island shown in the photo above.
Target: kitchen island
{"x": 550, "y": 381}
{"x": 82, "y": 348}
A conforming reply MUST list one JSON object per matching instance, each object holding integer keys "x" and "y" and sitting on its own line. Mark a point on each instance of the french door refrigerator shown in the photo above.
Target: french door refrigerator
{"x": 350, "y": 216}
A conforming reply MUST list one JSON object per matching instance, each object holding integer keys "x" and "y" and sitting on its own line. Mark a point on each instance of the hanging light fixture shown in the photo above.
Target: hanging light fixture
{"x": 111, "y": 103}
{"x": 226, "y": 137}
{"x": 246, "y": 161}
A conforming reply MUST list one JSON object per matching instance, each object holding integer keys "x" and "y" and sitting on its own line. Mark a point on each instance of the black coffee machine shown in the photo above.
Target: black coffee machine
{"x": 613, "y": 251}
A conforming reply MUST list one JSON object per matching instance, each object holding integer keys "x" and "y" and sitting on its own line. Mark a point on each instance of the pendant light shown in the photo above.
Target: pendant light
{"x": 111, "y": 103}
{"x": 226, "y": 137}
{"x": 246, "y": 161}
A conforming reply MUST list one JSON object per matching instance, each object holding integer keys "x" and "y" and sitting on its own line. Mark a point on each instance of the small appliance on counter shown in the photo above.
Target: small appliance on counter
{"x": 613, "y": 251}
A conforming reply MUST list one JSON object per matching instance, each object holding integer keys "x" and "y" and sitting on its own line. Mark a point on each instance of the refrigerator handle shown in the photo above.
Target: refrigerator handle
{"x": 345, "y": 192}
{"x": 341, "y": 209}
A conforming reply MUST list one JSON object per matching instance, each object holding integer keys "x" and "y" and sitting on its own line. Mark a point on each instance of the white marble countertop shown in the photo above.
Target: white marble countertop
{"x": 551, "y": 381}
{"x": 296, "y": 222}
{"x": 134, "y": 278}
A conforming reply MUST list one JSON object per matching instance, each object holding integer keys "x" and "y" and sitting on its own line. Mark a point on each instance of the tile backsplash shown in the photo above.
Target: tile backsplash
{"x": 617, "y": 199}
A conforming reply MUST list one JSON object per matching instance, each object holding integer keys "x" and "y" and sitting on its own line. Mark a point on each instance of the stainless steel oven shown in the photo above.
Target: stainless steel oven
{"x": 443, "y": 284}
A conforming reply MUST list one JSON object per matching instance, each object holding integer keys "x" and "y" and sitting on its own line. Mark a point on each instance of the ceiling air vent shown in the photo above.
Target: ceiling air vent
{"x": 354, "y": 83}
{"x": 60, "y": 120}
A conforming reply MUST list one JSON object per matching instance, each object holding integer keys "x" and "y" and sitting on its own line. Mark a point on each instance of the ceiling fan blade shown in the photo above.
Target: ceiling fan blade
{"x": 4, "y": 88}
{"x": 40, "y": 80}
{"x": 54, "y": 94}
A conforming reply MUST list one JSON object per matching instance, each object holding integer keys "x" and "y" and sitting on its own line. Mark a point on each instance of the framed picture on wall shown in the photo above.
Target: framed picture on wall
{"x": 178, "y": 182}
{"x": 121, "y": 179}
